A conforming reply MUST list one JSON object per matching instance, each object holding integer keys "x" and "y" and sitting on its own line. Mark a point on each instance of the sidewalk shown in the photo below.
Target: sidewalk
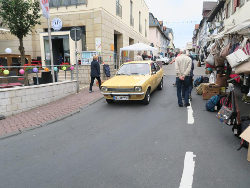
{"x": 47, "y": 114}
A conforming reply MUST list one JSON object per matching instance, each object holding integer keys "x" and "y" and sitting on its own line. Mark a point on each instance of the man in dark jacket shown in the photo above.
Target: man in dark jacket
{"x": 95, "y": 73}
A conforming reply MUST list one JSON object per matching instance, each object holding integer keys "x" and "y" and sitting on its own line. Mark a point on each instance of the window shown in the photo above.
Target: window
{"x": 118, "y": 8}
{"x": 157, "y": 67}
{"x": 140, "y": 28}
{"x": 242, "y": 2}
{"x": 60, "y": 3}
{"x": 131, "y": 14}
{"x": 146, "y": 34}
{"x": 236, "y": 3}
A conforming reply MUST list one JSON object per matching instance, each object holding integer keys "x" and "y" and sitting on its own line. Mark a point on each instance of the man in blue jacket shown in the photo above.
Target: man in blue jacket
{"x": 95, "y": 73}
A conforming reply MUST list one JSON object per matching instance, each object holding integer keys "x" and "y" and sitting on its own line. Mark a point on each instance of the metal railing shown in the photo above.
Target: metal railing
{"x": 20, "y": 72}
{"x": 118, "y": 9}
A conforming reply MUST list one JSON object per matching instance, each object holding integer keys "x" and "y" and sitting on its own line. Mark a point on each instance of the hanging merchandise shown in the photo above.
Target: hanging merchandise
{"x": 210, "y": 59}
{"x": 219, "y": 61}
{"x": 225, "y": 51}
{"x": 221, "y": 80}
{"x": 238, "y": 56}
{"x": 243, "y": 68}
{"x": 212, "y": 78}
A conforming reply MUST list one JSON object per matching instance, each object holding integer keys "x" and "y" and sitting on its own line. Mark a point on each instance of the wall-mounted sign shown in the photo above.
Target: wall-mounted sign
{"x": 98, "y": 44}
{"x": 56, "y": 24}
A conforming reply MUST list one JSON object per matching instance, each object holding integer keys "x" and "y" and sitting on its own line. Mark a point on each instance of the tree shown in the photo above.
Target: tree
{"x": 20, "y": 16}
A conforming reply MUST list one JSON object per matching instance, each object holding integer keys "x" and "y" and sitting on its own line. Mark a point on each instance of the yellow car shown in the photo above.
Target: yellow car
{"x": 134, "y": 81}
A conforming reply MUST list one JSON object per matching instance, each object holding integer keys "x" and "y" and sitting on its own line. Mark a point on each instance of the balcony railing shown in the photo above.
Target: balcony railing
{"x": 118, "y": 9}
{"x": 61, "y": 3}
{"x": 132, "y": 21}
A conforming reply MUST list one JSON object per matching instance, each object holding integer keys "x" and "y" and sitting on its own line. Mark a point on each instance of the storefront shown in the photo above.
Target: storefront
{"x": 63, "y": 47}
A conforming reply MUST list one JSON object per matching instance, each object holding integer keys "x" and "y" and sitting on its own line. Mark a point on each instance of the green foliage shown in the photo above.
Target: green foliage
{"x": 20, "y": 16}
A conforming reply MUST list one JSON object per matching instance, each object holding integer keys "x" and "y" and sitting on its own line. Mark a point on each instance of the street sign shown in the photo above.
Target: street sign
{"x": 56, "y": 24}
{"x": 76, "y": 33}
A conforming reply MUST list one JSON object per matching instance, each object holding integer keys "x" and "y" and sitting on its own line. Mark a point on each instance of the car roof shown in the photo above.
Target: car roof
{"x": 137, "y": 62}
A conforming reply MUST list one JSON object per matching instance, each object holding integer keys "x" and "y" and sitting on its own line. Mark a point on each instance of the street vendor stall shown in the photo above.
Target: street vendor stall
{"x": 136, "y": 47}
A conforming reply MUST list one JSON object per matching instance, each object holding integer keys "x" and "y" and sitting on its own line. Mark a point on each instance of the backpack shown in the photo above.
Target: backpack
{"x": 212, "y": 102}
{"x": 198, "y": 81}
{"x": 106, "y": 70}
{"x": 205, "y": 80}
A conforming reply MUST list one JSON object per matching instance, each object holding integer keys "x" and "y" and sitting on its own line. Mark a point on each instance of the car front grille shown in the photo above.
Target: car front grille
{"x": 121, "y": 89}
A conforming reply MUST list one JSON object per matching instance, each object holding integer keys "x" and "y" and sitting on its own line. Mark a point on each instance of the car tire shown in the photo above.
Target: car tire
{"x": 147, "y": 97}
{"x": 109, "y": 101}
{"x": 160, "y": 86}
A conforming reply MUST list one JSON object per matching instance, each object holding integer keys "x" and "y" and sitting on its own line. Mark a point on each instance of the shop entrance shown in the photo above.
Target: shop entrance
{"x": 60, "y": 49}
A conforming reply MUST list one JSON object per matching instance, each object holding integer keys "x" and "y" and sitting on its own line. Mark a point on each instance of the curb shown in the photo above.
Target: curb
{"x": 10, "y": 135}
{"x": 15, "y": 133}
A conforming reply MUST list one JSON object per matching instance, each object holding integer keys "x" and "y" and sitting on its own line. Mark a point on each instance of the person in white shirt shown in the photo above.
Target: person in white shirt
{"x": 183, "y": 65}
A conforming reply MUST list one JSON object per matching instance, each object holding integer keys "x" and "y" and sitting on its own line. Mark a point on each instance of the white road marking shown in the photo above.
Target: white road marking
{"x": 188, "y": 171}
{"x": 190, "y": 111}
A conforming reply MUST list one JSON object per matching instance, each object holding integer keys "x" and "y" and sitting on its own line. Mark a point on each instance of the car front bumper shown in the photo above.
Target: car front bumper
{"x": 132, "y": 96}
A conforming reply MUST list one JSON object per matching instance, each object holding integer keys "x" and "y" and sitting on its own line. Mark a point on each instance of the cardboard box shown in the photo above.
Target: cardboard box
{"x": 246, "y": 136}
{"x": 210, "y": 90}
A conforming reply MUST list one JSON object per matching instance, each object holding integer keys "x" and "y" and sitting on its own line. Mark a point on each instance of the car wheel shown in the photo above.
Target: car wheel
{"x": 146, "y": 100}
{"x": 109, "y": 101}
{"x": 160, "y": 86}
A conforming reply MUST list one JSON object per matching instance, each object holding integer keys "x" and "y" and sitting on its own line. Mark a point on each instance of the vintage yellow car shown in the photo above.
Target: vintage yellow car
{"x": 134, "y": 81}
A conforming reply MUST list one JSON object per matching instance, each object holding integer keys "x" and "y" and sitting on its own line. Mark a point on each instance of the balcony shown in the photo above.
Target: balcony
{"x": 132, "y": 21}
{"x": 64, "y": 3}
{"x": 118, "y": 9}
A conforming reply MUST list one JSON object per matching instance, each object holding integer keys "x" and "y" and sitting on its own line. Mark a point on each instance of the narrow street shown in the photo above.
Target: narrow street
{"x": 127, "y": 145}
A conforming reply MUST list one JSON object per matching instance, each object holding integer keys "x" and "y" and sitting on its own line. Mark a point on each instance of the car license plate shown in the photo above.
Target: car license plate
{"x": 121, "y": 98}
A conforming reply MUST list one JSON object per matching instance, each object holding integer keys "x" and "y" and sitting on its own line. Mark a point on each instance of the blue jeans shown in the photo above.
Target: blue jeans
{"x": 183, "y": 89}
{"x": 190, "y": 88}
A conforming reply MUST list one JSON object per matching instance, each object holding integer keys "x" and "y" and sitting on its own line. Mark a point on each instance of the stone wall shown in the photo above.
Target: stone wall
{"x": 16, "y": 100}
{"x": 84, "y": 74}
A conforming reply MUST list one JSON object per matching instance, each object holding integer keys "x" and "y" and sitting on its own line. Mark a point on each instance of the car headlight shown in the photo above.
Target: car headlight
{"x": 105, "y": 89}
{"x": 138, "y": 88}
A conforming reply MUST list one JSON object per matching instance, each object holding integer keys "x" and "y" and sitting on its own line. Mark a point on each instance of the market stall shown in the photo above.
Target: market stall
{"x": 136, "y": 47}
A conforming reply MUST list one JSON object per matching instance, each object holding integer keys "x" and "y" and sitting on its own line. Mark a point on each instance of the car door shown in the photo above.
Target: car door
{"x": 158, "y": 74}
{"x": 153, "y": 78}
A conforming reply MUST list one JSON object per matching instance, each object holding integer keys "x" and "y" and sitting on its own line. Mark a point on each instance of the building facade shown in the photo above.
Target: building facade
{"x": 157, "y": 36}
{"x": 106, "y": 26}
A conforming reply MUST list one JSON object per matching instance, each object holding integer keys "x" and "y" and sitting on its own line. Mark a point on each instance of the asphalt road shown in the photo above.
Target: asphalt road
{"x": 127, "y": 145}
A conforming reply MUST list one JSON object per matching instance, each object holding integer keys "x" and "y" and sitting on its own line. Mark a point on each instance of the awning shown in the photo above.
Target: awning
{"x": 138, "y": 47}
{"x": 239, "y": 27}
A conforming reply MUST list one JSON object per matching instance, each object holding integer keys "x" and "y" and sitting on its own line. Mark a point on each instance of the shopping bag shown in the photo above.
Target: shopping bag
{"x": 219, "y": 61}
{"x": 225, "y": 51}
{"x": 225, "y": 114}
{"x": 243, "y": 68}
{"x": 210, "y": 60}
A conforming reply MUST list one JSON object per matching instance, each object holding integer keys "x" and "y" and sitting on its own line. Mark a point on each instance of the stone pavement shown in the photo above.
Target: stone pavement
{"x": 47, "y": 114}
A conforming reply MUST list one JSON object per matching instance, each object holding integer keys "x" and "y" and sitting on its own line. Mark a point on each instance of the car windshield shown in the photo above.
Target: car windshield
{"x": 134, "y": 69}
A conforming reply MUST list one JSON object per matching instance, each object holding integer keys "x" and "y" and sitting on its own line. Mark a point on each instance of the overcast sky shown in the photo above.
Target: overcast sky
{"x": 176, "y": 12}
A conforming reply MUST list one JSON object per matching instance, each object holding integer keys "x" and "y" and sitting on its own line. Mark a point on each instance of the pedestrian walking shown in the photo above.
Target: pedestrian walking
{"x": 95, "y": 73}
{"x": 183, "y": 65}
{"x": 190, "y": 87}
